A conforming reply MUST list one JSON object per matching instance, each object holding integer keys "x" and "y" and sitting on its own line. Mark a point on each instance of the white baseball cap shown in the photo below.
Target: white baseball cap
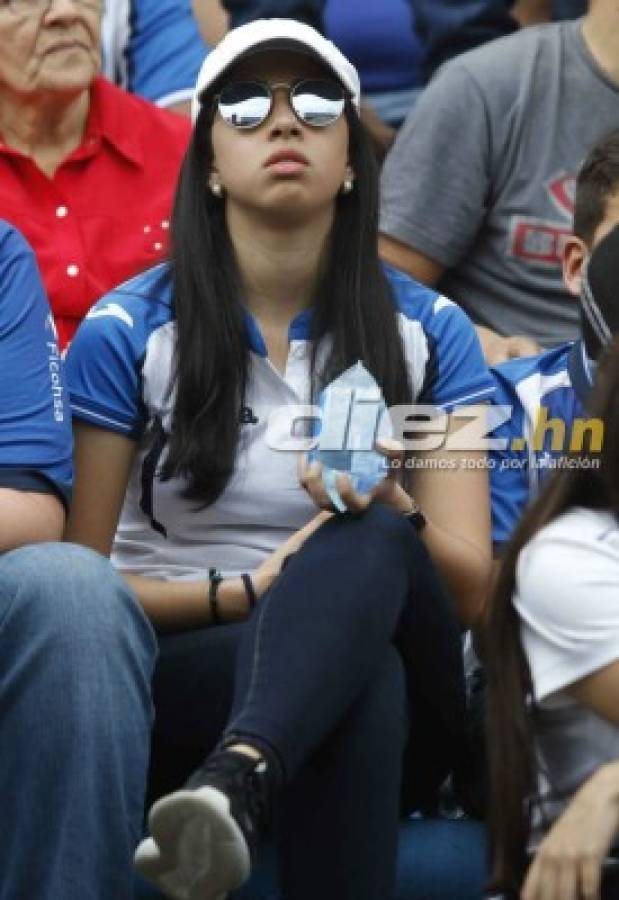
{"x": 276, "y": 34}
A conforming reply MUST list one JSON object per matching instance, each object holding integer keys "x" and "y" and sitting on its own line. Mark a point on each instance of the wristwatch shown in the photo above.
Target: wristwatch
{"x": 416, "y": 517}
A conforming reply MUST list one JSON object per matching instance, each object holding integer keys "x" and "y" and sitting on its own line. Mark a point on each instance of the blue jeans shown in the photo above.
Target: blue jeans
{"x": 76, "y": 659}
{"x": 314, "y": 679}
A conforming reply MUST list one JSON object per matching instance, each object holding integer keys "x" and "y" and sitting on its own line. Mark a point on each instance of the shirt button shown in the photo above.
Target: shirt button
{"x": 73, "y": 271}
{"x": 165, "y": 224}
{"x": 61, "y": 212}
{"x": 158, "y": 246}
{"x": 147, "y": 229}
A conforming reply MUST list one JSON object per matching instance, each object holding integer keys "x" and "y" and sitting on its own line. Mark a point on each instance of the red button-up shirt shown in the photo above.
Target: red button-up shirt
{"x": 104, "y": 216}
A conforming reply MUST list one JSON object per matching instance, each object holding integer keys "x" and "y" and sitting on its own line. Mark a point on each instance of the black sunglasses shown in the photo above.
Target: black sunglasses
{"x": 314, "y": 101}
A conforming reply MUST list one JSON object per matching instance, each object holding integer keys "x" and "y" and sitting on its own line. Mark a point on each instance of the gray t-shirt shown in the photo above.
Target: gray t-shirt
{"x": 481, "y": 177}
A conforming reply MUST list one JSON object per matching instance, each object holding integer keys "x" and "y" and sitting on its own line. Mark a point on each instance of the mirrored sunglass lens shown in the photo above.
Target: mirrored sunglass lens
{"x": 244, "y": 104}
{"x": 318, "y": 102}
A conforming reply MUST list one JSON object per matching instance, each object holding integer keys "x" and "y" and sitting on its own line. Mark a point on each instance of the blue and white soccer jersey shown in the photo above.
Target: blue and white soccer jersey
{"x": 556, "y": 384}
{"x": 119, "y": 367}
{"x": 35, "y": 422}
{"x": 152, "y": 48}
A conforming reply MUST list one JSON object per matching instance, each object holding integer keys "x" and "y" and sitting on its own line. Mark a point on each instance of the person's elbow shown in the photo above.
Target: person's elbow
{"x": 29, "y": 518}
{"x": 405, "y": 258}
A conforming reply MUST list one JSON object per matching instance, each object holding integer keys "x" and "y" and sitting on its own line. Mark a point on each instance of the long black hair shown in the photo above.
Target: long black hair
{"x": 353, "y": 304}
{"x": 510, "y": 719}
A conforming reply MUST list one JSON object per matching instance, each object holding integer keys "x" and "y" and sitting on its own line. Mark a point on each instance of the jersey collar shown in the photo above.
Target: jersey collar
{"x": 299, "y": 330}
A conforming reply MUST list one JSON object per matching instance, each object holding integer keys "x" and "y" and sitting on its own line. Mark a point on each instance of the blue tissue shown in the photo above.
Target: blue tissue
{"x": 353, "y": 416}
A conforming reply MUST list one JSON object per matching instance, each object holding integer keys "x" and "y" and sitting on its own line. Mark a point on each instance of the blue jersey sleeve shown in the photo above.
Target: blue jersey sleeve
{"x": 456, "y": 372}
{"x": 35, "y": 425}
{"x": 165, "y": 51}
{"x": 106, "y": 356}
{"x": 453, "y": 370}
{"x": 509, "y": 466}
{"x": 103, "y": 368}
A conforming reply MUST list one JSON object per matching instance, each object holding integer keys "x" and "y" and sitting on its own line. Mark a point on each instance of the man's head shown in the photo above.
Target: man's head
{"x": 48, "y": 47}
{"x": 591, "y": 254}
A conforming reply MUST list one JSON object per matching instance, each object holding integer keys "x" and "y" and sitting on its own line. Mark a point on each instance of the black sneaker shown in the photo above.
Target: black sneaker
{"x": 205, "y": 836}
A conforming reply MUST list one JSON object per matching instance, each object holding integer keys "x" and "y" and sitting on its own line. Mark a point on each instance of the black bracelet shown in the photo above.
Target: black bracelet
{"x": 416, "y": 517}
{"x": 249, "y": 590}
{"x": 214, "y": 578}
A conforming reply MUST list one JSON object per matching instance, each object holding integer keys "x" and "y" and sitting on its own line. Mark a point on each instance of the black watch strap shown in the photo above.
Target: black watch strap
{"x": 416, "y": 518}
{"x": 214, "y": 580}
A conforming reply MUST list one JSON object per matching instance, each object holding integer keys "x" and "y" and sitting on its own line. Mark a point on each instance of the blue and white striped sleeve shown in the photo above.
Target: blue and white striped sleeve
{"x": 103, "y": 368}
{"x": 509, "y": 468}
{"x": 456, "y": 372}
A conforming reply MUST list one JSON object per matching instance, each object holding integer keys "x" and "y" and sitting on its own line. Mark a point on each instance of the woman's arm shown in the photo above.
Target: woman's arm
{"x": 451, "y": 487}
{"x": 568, "y": 863}
{"x": 103, "y": 461}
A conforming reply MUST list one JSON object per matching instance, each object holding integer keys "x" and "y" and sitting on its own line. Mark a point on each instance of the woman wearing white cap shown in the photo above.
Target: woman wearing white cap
{"x": 273, "y": 289}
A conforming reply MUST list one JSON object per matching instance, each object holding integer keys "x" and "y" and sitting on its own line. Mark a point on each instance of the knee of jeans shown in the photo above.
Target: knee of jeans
{"x": 71, "y": 590}
{"x": 383, "y": 523}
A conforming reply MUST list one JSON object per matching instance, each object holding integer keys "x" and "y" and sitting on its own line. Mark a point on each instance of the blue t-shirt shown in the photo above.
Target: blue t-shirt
{"x": 379, "y": 38}
{"x": 119, "y": 370}
{"x": 555, "y": 384}
{"x": 35, "y": 424}
{"x": 152, "y": 48}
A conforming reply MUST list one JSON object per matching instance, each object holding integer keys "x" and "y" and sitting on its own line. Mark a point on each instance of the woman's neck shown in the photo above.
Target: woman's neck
{"x": 280, "y": 265}
{"x": 601, "y": 33}
{"x": 47, "y": 128}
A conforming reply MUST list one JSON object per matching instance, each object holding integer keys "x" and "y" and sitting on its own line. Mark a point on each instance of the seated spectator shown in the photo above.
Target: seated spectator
{"x": 87, "y": 171}
{"x": 478, "y": 188}
{"x": 76, "y": 651}
{"x": 548, "y": 394}
{"x": 552, "y": 653}
{"x": 153, "y": 48}
{"x": 274, "y": 289}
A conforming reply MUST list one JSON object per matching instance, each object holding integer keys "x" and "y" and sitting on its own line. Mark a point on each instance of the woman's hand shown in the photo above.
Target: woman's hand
{"x": 267, "y": 572}
{"x": 568, "y": 863}
{"x": 388, "y": 491}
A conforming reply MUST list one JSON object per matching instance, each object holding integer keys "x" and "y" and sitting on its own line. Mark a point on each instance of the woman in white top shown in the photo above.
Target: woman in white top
{"x": 553, "y": 674}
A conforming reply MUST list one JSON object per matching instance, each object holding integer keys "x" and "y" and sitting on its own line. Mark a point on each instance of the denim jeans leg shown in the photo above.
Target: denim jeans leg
{"x": 76, "y": 660}
{"x": 339, "y": 822}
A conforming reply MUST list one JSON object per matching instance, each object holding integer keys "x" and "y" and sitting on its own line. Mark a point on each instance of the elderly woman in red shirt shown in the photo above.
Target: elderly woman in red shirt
{"x": 87, "y": 171}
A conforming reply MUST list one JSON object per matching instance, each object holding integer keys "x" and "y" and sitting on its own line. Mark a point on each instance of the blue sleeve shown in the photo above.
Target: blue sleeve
{"x": 456, "y": 372}
{"x": 35, "y": 424}
{"x": 165, "y": 51}
{"x": 308, "y": 11}
{"x": 103, "y": 369}
{"x": 449, "y": 27}
{"x": 509, "y": 467}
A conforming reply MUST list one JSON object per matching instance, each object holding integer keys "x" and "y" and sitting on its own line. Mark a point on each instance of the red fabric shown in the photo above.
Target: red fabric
{"x": 104, "y": 216}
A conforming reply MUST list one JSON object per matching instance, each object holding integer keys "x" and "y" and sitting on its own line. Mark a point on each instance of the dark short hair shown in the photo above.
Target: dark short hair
{"x": 597, "y": 181}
